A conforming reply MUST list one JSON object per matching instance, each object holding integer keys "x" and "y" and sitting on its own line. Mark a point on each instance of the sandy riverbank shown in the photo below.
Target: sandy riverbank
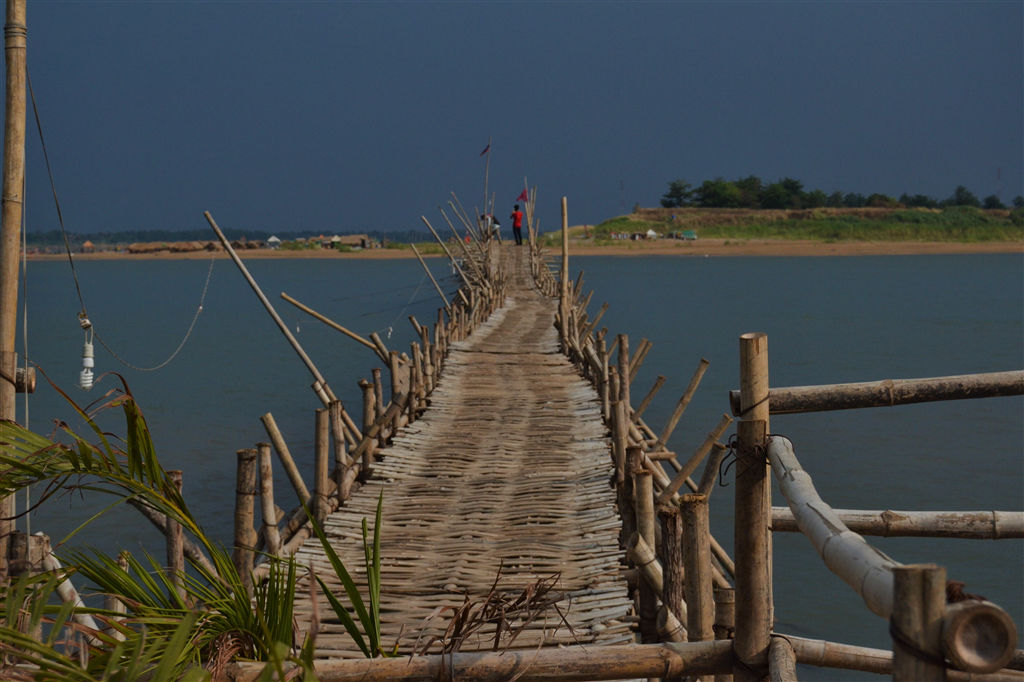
{"x": 704, "y": 247}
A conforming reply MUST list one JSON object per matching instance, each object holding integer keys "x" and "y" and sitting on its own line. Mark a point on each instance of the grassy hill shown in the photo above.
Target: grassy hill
{"x": 954, "y": 224}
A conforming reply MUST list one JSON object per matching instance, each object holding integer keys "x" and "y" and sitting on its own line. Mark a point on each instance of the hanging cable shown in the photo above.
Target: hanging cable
{"x": 88, "y": 362}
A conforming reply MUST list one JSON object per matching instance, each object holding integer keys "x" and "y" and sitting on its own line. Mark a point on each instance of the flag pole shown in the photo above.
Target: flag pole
{"x": 487, "y": 170}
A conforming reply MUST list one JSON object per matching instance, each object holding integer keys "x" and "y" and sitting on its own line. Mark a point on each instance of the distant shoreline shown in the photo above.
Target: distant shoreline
{"x": 663, "y": 247}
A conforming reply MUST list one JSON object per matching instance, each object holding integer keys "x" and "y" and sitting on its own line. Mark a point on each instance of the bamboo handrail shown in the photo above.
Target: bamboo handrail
{"x": 972, "y": 525}
{"x": 888, "y": 393}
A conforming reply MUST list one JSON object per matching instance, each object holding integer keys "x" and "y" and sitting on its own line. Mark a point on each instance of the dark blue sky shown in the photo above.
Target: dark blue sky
{"x": 350, "y": 116}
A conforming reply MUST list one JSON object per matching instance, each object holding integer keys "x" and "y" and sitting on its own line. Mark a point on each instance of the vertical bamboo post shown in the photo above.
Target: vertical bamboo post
{"x": 623, "y": 370}
{"x": 919, "y": 604}
{"x": 394, "y": 368}
{"x": 321, "y": 451}
{"x": 602, "y": 354}
{"x": 245, "y": 536}
{"x": 613, "y": 383}
{"x": 563, "y": 298}
{"x": 428, "y": 361}
{"x": 369, "y": 416}
{"x": 175, "y": 543}
{"x": 645, "y": 520}
{"x": 671, "y": 552}
{"x": 341, "y": 461}
{"x": 15, "y": 43}
{"x": 725, "y": 603}
{"x": 620, "y": 434}
{"x": 700, "y": 607}
{"x": 753, "y": 515}
{"x": 112, "y": 603}
{"x": 269, "y": 512}
{"x": 378, "y": 393}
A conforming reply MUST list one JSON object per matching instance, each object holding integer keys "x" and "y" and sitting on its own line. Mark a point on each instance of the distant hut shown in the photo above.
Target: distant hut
{"x": 274, "y": 242}
{"x": 651, "y": 234}
{"x": 356, "y": 241}
{"x": 88, "y": 247}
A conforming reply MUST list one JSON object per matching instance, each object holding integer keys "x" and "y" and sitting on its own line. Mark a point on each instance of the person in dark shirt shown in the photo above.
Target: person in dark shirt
{"x": 517, "y": 225}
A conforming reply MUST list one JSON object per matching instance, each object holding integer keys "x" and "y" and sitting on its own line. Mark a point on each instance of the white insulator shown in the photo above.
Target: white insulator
{"x": 88, "y": 356}
{"x": 85, "y": 379}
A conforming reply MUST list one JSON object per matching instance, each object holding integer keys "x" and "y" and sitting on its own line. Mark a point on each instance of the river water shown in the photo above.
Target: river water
{"x": 829, "y": 320}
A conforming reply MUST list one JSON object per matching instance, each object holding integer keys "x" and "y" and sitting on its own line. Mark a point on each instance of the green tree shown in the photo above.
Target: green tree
{"x": 918, "y": 201}
{"x": 1018, "y": 201}
{"x": 835, "y": 200}
{"x": 878, "y": 200}
{"x": 679, "y": 194}
{"x": 776, "y": 195}
{"x": 963, "y": 197}
{"x": 852, "y": 200}
{"x": 993, "y": 201}
{"x": 815, "y": 199}
{"x": 717, "y": 193}
{"x": 750, "y": 189}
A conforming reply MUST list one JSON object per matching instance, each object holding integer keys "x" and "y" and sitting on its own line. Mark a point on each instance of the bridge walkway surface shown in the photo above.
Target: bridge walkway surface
{"x": 508, "y": 468}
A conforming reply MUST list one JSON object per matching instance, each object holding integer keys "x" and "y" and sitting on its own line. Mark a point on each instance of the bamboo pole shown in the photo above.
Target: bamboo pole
{"x": 681, "y": 405}
{"x": 725, "y": 620}
{"x": 645, "y": 524}
{"x": 11, "y": 207}
{"x": 321, "y": 445}
{"x": 465, "y": 251}
{"x": 974, "y": 525}
{"x": 696, "y": 554}
{"x": 285, "y": 456}
{"x": 673, "y": 593}
{"x": 648, "y": 398}
{"x": 919, "y": 604}
{"x": 267, "y": 507}
{"x": 781, "y": 660}
{"x": 707, "y": 481}
{"x": 175, "y": 543}
{"x": 378, "y": 394}
{"x": 890, "y": 392}
{"x": 563, "y": 300}
{"x": 437, "y": 286}
{"x": 245, "y": 536}
{"x": 341, "y": 458}
{"x": 691, "y": 465}
{"x": 623, "y": 370}
{"x": 112, "y": 603}
{"x": 159, "y": 521}
{"x": 369, "y": 416}
{"x": 638, "y": 358}
{"x": 642, "y": 554}
{"x": 571, "y": 664}
{"x": 752, "y": 516}
{"x": 620, "y": 434}
{"x": 978, "y": 636}
{"x": 382, "y": 350}
{"x": 320, "y": 386}
{"x": 329, "y": 322}
{"x": 447, "y": 252}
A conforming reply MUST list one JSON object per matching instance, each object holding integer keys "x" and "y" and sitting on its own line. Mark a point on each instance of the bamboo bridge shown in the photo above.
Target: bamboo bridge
{"x": 535, "y": 527}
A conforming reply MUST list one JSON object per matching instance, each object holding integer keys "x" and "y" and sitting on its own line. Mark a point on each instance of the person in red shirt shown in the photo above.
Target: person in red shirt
{"x": 517, "y": 225}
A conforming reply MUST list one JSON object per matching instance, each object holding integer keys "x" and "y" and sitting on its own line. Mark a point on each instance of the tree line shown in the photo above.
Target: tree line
{"x": 752, "y": 192}
{"x": 56, "y": 238}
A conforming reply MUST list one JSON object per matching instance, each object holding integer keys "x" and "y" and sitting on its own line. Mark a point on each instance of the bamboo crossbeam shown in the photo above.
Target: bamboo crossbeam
{"x": 571, "y": 664}
{"x": 687, "y": 396}
{"x": 973, "y": 525}
{"x": 329, "y": 322}
{"x": 889, "y": 392}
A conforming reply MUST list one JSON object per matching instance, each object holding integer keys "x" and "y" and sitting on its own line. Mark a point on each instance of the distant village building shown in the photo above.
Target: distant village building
{"x": 273, "y": 242}
{"x": 88, "y": 247}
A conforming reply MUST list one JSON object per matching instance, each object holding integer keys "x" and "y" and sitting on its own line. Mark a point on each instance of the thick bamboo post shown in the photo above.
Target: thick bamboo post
{"x": 378, "y": 393}
{"x": 341, "y": 460}
{"x": 725, "y": 611}
{"x": 428, "y": 360}
{"x": 321, "y": 464}
{"x": 620, "y": 435}
{"x": 394, "y": 368}
{"x": 707, "y": 481}
{"x": 605, "y": 388}
{"x": 267, "y": 507}
{"x": 623, "y": 369}
{"x": 645, "y": 520}
{"x": 175, "y": 539}
{"x": 782, "y": 660}
{"x": 919, "y": 604}
{"x": 290, "y": 470}
{"x": 753, "y": 515}
{"x": 673, "y": 595}
{"x": 697, "y": 562}
{"x": 369, "y": 416}
{"x": 245, "y": 536}
{"x": 15, "y": 43}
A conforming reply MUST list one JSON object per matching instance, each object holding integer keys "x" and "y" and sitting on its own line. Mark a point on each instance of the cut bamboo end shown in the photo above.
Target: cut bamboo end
{"x": 978, "y": 636}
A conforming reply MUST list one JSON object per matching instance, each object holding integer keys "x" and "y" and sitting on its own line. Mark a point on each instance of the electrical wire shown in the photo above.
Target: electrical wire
{"x": 83, "y": 315}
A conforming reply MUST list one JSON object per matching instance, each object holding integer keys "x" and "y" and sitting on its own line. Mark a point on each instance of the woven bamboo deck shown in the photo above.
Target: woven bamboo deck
{"x": 509, "y": 465}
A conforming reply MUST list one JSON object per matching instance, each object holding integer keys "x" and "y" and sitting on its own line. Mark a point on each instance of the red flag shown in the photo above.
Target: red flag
{"x": 525, "y": 196}
{"x": 486, "y": 149}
